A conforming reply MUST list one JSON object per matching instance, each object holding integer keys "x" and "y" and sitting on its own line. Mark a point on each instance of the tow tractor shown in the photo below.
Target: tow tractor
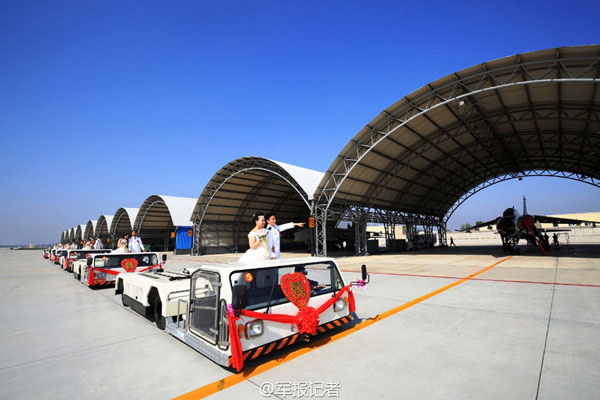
{"x": 155, "y": 295}
{"x": 58, "y": 255}
{"x": 234, "y": 312}
{"x": 76, "y": 260}
{"x": 52, "y": 255}
{"x": 46, "y": 253}
{"x": 102, "y": 269}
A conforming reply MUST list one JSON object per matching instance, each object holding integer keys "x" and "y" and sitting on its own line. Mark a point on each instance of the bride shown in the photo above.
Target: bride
{"x": 257, "y": 240}
{"x": 122, "y": 244}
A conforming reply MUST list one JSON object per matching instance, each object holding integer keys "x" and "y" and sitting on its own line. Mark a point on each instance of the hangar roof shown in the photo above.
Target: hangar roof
{"x": 537, "y": 111}
{"x": 250, "y": 184}
{"x": 103, "y": 226}
{"x": 122, "y": 221}
{"x": 161, "y": 212}
{"x": 90, "y": 229}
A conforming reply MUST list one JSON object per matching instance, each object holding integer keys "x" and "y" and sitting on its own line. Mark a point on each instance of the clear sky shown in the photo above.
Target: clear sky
{"x": 103, "y": 103}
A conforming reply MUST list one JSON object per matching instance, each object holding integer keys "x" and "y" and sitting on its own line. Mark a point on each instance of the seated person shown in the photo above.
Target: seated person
{"x": 313, "y": 284}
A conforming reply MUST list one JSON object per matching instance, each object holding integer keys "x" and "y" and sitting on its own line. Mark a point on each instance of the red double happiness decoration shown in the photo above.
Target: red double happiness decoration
{"x": 297, "y": 289}
{"x": 129, "y": 264}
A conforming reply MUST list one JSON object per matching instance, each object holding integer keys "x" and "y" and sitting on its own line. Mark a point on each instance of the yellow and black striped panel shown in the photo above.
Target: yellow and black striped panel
{"x": 290, "y": 340}
{"x": 104, "y": 283}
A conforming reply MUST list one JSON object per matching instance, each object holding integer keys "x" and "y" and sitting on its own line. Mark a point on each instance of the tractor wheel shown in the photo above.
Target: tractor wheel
{"x": 158, "y": 317}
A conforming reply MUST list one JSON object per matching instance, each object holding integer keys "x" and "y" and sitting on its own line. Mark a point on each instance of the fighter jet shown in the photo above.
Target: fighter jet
{"x": 513, "y": 227}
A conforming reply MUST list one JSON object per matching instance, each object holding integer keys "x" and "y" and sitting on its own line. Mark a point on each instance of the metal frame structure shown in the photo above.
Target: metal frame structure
{"x": 235, "y": 169}
{"x": 104, "y": 224}
{"x": 503, "y": 178}
{"x": 537, "y": 111}
{"x": 160, "y": 215}
{"x": 116, "y": 221}
{"x": 90, "y": 230}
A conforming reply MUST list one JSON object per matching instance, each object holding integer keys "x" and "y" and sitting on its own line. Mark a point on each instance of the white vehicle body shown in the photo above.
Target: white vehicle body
{"x": 59, "y": 255}
{"x": 77, "y": 260}
{"x": 200, "y": 320}
{"x": 102, "y": 269}
{"x": 146, "y": 291}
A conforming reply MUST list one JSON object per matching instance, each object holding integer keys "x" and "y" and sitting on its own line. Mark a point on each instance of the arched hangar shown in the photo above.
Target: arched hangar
{"x": 164, "y": 223}
{"x": 531, "y": 114}
{"x": 90, "y": 230}
{"x": 222, "y": 214}
{"x": 122, "y": 223}
{"x": 103, "y": 229}
{"x": 78, "y": 238}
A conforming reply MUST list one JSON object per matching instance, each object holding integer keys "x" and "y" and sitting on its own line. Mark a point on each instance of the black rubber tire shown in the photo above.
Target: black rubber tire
{"x": 160, "y": 321}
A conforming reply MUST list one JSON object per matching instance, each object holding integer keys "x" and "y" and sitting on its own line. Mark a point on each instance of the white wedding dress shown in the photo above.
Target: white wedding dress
{"x": 255, "y": 256}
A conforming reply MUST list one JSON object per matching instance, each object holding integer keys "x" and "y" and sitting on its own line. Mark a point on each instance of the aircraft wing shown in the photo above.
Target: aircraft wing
{"x": 481, "y": 225}
{"x": 559, "y": 220}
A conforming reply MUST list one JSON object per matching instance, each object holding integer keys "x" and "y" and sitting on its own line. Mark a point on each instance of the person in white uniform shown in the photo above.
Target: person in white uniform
{"x": 274, "y": 236}
{"x": 98, "y": 245}
{"x": 135, "y": 244}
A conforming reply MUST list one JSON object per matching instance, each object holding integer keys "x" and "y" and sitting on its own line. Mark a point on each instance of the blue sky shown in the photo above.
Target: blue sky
{"x": 104, "y": 103}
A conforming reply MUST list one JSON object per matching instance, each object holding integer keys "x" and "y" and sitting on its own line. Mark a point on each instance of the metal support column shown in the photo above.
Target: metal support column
{"x": 389, "y": 224}
{"x": 360, "y": 232}
{"x": 428, "y": 237}
{"x": 442, "y": 234}
{"x": 321, "y": 231}
{"x": 197, "y": 247}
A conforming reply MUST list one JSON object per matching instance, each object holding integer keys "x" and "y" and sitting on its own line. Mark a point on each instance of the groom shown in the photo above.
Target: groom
{"x": 274, "y": 236}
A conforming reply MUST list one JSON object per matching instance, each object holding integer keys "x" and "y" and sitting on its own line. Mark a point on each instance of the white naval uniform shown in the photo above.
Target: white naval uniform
{"x": 274, "y": 237}
{"x": 99, "y": 245}
{"x": 135, "y": 245}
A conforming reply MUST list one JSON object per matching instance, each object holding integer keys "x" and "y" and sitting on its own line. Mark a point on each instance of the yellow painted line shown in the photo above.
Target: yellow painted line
{"x": 248, "y": 373}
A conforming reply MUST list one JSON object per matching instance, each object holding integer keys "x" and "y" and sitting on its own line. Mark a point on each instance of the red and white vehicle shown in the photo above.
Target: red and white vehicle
{"x": 58, "y": 255}
{"x": 235, "y": 312}
{"x": 67, "y": 262}
{"x": 102, "y": 269}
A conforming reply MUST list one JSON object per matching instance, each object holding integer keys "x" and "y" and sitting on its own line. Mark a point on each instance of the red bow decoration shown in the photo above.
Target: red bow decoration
{"x": 307, "y": 319}
{"x": 129, "y": 264}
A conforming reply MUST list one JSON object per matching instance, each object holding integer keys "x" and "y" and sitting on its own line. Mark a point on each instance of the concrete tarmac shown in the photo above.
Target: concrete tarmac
{"x": 528, "y": 328}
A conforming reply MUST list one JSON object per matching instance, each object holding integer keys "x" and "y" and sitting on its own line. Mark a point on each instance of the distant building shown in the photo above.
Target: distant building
{"x": 379, "y": 230}
{"x": 31, "y": 246}
{"x": 590, "y": 216}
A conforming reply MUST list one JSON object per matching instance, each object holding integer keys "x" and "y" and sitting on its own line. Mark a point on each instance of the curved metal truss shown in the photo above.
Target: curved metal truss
{"x": 114, "y": 225}
{"x": 224, "y": 175}
{"x": 137, "y": 226}
{"x": 503, "y": 178}
{"x": 447, "y": 97}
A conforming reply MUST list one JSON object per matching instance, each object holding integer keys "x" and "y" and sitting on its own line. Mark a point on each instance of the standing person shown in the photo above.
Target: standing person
{"x": 99, "y": 245}
{"x": 274, "y": 237}
{"x": 257, "y": 240}
{"x": 88, "y": 244}
{"x": 135, "y": 243}
{"x": 73, "y": 246}
{"x": 122, "y": 244}
{"x": 555, "y": 240}
{"x": 452, "y": 241}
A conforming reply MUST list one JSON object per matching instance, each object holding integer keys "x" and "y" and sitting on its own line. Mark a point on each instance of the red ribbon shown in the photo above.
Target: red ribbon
{"x": 307, "y": 321}
{"x": 112, "y": 272}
